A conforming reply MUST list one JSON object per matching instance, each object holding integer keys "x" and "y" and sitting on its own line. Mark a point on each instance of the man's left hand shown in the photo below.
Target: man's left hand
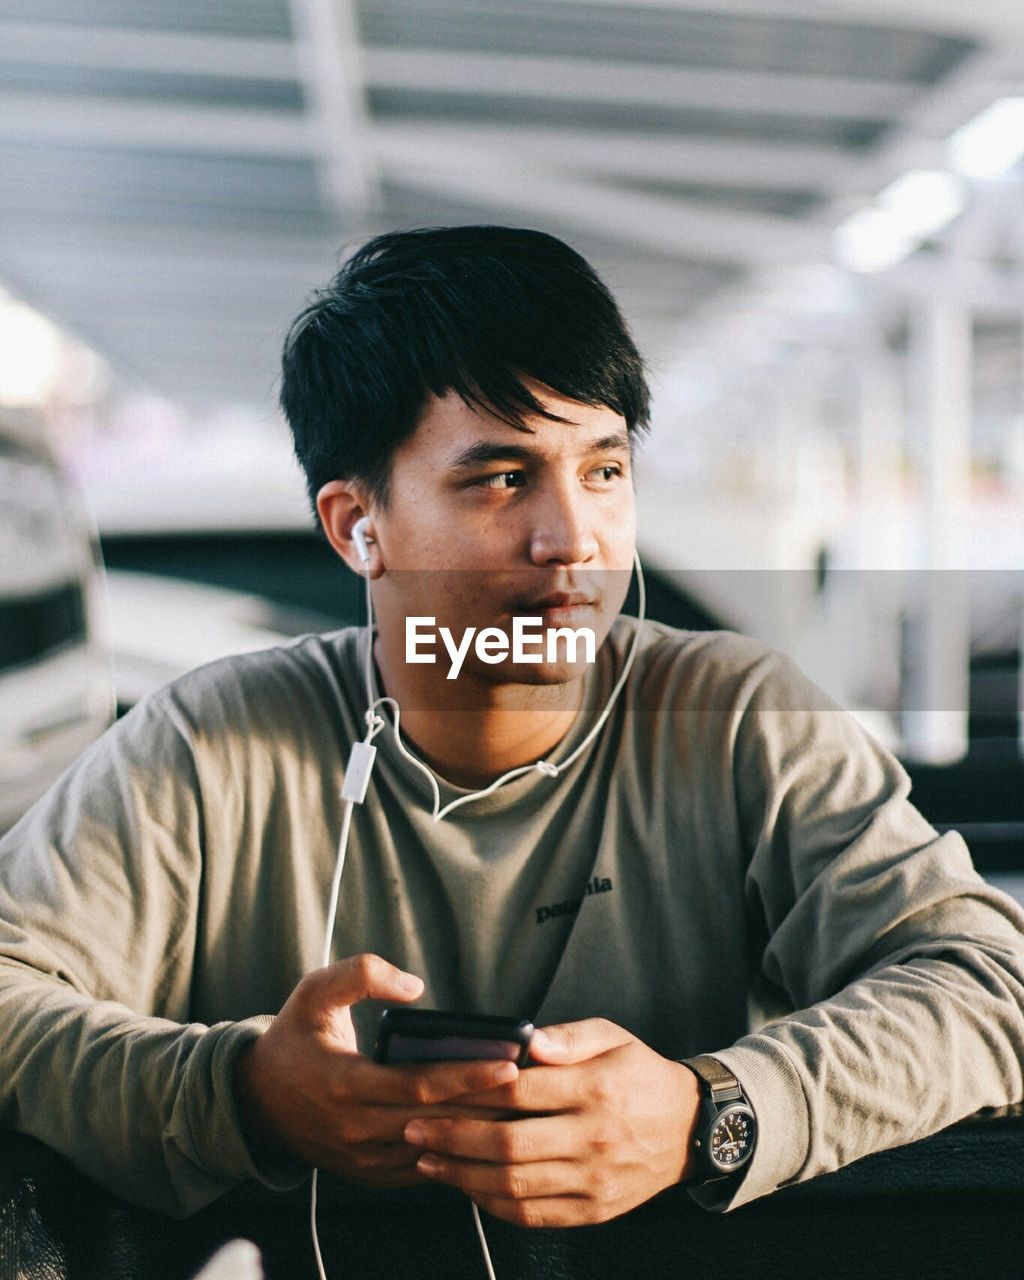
{"x": 600, "y": 1125}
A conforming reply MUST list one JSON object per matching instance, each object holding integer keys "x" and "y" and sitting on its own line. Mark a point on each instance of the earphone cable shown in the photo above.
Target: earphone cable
{"x": 539, "y": 766}
{"x": 374, "y": 724}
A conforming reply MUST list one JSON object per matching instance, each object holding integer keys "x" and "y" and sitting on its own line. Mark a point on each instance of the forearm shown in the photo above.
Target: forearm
{"x": 905, "y": 968}
{"x": 894, "y": 1056}
{"x": 143, "y": 1105}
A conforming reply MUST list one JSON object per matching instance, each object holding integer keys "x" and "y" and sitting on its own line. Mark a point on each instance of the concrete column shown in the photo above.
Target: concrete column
{"x": 873, "y": 589}
{"x": 1018, "y": 486}
{"x": 801, "y": 404}
{"x": 937, "y": 652}
{"x": 878, "y": 432}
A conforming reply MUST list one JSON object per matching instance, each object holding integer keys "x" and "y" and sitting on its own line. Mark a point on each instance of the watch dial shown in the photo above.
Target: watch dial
{"x": 731, "y": 1141}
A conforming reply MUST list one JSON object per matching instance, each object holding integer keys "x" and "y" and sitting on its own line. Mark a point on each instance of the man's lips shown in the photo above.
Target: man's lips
{"x": 561, "y": 609}
{"x": 559, "y": 600}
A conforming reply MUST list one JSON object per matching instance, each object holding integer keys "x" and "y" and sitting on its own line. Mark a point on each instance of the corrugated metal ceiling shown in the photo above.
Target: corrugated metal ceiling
{"x": 176, "y": 177}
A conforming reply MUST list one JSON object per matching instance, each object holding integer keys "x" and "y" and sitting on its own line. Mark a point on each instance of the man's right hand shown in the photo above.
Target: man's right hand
{"x": 304, "y": 1089}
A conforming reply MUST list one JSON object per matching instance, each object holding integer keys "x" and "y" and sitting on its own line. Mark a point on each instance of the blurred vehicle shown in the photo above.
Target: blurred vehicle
{"x": 56, "y": 691}
{"x": 162, "y": 627}
{"x": 76, "y": 642}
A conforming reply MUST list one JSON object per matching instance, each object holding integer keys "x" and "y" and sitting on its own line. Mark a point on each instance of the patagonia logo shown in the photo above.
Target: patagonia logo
{"x": 571, "y": 905}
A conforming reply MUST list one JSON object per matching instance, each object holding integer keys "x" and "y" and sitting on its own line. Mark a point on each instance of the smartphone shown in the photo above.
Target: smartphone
{"x": 434, "y": 1035}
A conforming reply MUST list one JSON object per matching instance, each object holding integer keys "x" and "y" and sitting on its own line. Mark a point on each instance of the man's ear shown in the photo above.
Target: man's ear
{"x": 340, "y": 505}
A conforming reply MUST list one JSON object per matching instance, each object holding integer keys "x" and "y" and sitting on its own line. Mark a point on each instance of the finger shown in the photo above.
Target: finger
{"x": 505, "y": 1142}
{"x": 362, "y": 977}
{"x": 369, "y": 1123}
{"x": 569, "y": 1042}
{"x": 422, "y": 1085}
{"x": 537, "y": 1089}
{"x": 503, "y": 1182}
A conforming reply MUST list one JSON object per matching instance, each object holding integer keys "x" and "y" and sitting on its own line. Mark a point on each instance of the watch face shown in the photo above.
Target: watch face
{"x": 731, "y": 1140}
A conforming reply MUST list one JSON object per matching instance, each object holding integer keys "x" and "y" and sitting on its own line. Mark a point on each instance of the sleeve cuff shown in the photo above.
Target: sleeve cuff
{"x": 772, "y": 1086}
{"x": 211, "y": 1137}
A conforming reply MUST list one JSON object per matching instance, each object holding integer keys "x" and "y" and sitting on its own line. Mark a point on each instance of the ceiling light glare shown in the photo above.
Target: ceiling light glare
{"x": 923, "y": 201}
{"x": 30, "y": 348}
{"x": 990, "y": 144}
{"x": 871, "y": 240}
{"x": 909, "y": 210}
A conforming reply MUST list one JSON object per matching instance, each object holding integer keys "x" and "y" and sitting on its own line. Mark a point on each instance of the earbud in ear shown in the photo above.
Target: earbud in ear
{"x": 361, "y": 536}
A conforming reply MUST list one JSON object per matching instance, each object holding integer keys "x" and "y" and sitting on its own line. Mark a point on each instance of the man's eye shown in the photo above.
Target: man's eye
{"x": 504, "y": 480}
{"x": 608, "y": 473}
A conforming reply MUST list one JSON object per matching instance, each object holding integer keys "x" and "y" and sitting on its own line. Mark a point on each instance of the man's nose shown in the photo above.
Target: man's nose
{"x": 563, "y": 530}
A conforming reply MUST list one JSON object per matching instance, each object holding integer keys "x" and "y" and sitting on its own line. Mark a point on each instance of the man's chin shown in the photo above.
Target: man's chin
{"x": 535, "y": 675}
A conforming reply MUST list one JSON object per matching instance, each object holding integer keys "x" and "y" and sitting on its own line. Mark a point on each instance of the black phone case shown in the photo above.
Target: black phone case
{"x": 449, "y": 1036}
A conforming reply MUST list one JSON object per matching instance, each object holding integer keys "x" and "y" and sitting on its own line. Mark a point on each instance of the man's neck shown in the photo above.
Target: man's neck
{"x": 475, "y": 732}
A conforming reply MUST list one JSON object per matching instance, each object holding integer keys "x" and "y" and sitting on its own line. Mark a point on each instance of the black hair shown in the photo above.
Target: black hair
{"x": 471, "y": 309}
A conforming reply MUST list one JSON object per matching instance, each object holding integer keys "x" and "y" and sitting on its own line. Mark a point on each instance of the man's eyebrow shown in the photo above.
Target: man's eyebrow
{"x": 491, "y": 451}
{"x": 483, "y": 451}
{"x": 608, "y": 444}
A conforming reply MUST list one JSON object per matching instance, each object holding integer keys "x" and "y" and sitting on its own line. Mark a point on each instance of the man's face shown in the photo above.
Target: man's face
{"x": 486, "y": 522}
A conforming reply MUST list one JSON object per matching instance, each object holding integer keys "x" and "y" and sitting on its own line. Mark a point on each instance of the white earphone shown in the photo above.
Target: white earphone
{"x": 361, "y": 536}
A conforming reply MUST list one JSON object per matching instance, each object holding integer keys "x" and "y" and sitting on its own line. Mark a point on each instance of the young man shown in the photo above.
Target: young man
{"x": 730, "y": 868}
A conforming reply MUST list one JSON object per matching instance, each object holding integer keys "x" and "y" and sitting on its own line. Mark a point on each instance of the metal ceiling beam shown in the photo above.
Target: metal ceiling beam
{"x": 918, "y": 141}
{"x": 115, "y": 122}
{"x": 677, "y": 227}
{"x": 56, "y": 44}
{"x": 111, "y": 122}
{"x": 638, "y": 156}
{"x": 988, "y": 74}
{"x": 660, "y": 223}
{"x": 328, "y": 59}
{"x": 689, "y": 229}
{"x": 991, "y": 18}
{"x": 594, "y": 81}
{"x": 327, "y": 46}
{"x": 196, "y": 280}
{"x": 26, "y": 233}
{"x": 943, "y": 17}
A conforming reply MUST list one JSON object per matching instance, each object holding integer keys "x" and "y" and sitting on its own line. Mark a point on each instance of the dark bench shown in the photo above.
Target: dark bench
{"x": 949, "y": 1206}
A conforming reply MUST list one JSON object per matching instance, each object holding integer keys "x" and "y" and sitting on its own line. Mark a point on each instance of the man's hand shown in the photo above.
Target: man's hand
{"x": 607, "y": 1124}
{"x": 304, "y": 1089}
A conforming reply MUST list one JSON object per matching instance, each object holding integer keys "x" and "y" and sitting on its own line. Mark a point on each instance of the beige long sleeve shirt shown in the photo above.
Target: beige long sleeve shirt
{"x": 732, "y": 868}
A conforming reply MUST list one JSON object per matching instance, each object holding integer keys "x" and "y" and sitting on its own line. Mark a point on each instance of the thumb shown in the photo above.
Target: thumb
{"x": 363, "y": 977}
{"x": 568, "y": 1042}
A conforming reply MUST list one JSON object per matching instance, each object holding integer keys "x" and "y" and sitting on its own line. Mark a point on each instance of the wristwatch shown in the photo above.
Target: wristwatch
{"x": 726, "y": 1131}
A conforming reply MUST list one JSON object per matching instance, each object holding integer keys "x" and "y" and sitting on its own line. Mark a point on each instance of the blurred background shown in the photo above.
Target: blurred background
{"x": 811, "y": 211}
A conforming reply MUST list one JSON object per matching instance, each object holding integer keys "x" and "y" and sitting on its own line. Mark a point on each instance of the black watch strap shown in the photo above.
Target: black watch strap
{"x": 722, "y": 1084}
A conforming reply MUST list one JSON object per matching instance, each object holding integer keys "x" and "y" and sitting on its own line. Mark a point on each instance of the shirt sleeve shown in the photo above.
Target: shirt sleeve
{"x": 99, "y": 889}
{"x": 903, "y": 968}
